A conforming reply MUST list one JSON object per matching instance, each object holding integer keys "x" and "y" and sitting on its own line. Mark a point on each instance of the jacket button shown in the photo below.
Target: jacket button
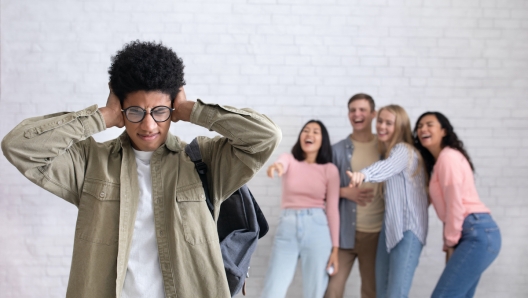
{"x": 102, "y": 194}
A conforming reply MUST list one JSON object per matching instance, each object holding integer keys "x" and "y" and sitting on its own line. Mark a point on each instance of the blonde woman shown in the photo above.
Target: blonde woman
{"x": 405, "y": 221}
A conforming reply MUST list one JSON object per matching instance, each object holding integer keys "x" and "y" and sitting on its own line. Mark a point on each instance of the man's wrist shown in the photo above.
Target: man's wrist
{"x": 107, "y": 116}
{"x": 184, "y": 109}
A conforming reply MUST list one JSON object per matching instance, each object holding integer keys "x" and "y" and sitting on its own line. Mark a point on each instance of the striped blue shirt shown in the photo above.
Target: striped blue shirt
{"x": 405, "y": 195}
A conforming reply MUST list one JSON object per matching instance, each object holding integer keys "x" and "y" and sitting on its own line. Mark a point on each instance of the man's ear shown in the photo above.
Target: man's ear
{"x": 374, "y": 114}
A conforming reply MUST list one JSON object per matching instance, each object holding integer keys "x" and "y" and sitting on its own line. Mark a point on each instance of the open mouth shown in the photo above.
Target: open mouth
{"x": 358, "y": 121}
{"x": 308, "y": 142}
{"x": 425, "y": 137}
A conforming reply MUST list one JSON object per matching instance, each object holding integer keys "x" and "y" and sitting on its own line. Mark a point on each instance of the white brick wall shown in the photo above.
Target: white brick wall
{"x": 293, "y": 60}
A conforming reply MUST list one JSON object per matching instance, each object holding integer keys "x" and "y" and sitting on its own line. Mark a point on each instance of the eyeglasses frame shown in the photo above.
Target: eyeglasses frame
{"x": 145, "y": 113}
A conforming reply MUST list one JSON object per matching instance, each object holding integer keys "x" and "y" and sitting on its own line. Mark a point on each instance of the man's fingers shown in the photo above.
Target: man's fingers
{"x": 366, "y": 190}
{"x": 368, "y": 196}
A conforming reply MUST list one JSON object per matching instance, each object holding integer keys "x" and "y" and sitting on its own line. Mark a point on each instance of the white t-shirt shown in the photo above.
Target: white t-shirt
{"x": 143, "y": 277}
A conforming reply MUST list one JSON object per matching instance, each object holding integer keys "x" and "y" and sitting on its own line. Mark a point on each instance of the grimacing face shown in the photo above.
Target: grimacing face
{"x": 147, "y": 135}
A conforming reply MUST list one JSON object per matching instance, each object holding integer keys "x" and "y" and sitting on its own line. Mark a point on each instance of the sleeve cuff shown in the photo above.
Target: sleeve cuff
{"x": 92, "y": 120}
{"x": 367, "y": 175}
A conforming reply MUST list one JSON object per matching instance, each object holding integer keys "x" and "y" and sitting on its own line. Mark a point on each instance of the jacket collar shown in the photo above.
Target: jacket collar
{"x": 172, "y": 143}
{"x": 348, "y": 142}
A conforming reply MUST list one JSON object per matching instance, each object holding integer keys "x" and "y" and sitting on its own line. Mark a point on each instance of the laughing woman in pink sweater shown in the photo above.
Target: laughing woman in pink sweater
{"x": 309, "y": 224}
{"x": 472, "y": 239}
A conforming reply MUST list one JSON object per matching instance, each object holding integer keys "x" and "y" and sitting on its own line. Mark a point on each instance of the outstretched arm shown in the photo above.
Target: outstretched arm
{"x": 382, "y": 170}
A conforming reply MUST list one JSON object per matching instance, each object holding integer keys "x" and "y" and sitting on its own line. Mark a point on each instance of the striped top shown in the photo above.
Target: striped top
{"x": 405, "y": 194}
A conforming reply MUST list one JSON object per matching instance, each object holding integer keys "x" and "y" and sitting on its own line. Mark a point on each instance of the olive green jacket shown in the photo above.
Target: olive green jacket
{"x": 58, "y": 153}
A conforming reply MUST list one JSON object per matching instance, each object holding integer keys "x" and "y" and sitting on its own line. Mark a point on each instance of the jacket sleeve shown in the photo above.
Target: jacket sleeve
{"x": 249, "y": 139}
{"x": 51, "y": 150}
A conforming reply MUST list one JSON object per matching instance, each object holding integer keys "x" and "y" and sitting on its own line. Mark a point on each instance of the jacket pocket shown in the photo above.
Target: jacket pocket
{"x": 197, "y": 221}
{"x": 98, "y": 218}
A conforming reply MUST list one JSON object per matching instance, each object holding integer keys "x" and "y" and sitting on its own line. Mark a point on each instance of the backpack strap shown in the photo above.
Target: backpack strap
{"x": 193, "y": 150}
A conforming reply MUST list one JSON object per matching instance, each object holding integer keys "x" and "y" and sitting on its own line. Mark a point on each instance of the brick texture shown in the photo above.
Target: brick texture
{"x": 293, "y": 60}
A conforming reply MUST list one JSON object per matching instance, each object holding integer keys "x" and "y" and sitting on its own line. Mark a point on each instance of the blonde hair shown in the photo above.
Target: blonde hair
{"x": 402, "y": 134}
{"x": 402, "y": 130}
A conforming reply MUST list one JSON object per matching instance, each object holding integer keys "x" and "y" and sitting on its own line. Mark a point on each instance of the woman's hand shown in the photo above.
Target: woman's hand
{"x": 275, "y": 167}
{"x": 356, "y": 178}
{"x": 333, "y": 261}
{"x": 449, "y": 252}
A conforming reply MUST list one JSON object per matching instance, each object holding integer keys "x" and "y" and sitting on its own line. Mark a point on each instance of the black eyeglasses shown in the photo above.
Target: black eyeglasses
{"x": 137, "y": 114}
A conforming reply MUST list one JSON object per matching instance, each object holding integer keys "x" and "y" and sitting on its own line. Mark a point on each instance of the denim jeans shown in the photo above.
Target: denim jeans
{"x": 301, "y": 234}
{"x": 478, "y": 247}
{"x": 395, "y": 269}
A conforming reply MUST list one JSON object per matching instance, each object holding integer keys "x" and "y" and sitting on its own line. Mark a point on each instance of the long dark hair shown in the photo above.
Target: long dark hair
{"x": 449, "y": 140}
{"x": 324, "y": 155}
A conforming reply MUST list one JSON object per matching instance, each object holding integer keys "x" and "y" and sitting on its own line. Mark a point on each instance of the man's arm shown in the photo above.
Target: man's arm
{"x": 249, "y": 140}
{"x": 361, "y": 196}
{"x": 51, "y": 150}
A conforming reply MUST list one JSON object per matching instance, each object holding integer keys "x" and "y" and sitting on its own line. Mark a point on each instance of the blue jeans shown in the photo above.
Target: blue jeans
{"x": 478, "y": 247}
{"x": 395, "y": 269}
{"x": 301, "y": 234}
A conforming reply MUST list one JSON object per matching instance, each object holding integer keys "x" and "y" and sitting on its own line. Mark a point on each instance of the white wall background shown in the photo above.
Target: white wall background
{"x": 293, "y": 60}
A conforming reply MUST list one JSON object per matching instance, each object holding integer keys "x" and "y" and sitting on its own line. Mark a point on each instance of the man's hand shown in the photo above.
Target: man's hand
{"x": 182, "y": 107}
{"x": 362, "y": 196}
{"x": 112, "y": 114}
{"x": 275, "y": 167}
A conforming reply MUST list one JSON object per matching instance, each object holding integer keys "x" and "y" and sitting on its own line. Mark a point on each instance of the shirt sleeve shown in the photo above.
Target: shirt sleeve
{"x": 382, "y": 170}
{"x": 51, "y": 150}
{"x": 249, "y": 139}
{"x": 332, "y": 203}
{"x": 449, "y": 170}
{"x": 285, "y": 160}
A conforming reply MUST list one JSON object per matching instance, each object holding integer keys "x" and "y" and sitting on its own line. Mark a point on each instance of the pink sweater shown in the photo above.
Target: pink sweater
{"x": 453, "y": 193}
{"x": 307, "y": 185}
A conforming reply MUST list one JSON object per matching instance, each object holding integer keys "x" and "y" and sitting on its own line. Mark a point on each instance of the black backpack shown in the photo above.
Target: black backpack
{"x": 240, "y": 224}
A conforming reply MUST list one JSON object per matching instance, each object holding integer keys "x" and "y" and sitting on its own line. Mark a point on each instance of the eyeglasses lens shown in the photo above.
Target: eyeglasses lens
{"x": 161, "y": 114}
{"x": 135, "y": 114}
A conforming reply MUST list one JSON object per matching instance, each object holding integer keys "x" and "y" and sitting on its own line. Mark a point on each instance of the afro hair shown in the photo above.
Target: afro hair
{"x": 146, "y": 66}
